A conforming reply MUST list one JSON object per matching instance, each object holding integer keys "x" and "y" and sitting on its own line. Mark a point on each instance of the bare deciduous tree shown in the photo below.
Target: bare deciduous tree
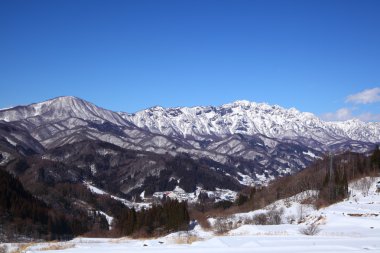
{"x": 300, "y": 212}
{"x": 364, "y": 185}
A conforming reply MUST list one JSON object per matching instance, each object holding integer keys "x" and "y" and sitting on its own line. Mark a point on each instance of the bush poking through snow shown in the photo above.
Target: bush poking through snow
{"x": 58, "y": 246}
{"x": 223, "y": 225}
{"x": 275, "y": 216}
{"x": 260, "y": 219}
{"x": 312, "y": 229}
{"x": 272, "y": 217}
{"x": 23, "y": 247}
{"x": 186, "y": 238}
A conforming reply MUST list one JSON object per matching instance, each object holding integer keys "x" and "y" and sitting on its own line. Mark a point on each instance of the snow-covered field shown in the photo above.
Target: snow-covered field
{"x": 349, "y": 226}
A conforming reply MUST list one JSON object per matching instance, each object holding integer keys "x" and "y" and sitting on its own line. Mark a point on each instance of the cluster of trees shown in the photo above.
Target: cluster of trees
{"x": 375, "y": 159}
{"x": 328, "y": 176}
{"x": 23, "y": 214}
{"x": 72, "y": 211}
{"x": 170, "y": 216}
{"x": 335, "y": 184}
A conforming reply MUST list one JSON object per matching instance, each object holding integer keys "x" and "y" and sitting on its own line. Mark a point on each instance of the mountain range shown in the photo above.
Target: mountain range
{"x": 158, "y": 149}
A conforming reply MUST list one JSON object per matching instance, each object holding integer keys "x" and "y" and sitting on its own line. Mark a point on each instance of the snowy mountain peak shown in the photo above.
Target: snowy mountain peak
{"x": 65, "y": 100}
{"x": 60, "y": 108}
{"x": 241, "y": 103}
{"x": 266, "y": 108}
{"x": 65, "y": 103}
{"x": 250, "y": 118}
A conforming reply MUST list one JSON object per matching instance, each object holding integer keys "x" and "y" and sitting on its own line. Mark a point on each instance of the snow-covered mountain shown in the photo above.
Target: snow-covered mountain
{"x": 250, "y": 118}
{"x": 251, "y": 142}
{"x": 60, "y": 108}
{"x": 203, "y": 122}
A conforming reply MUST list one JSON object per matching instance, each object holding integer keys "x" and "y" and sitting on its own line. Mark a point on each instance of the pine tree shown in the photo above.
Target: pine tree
{"x": 375, "y": 158}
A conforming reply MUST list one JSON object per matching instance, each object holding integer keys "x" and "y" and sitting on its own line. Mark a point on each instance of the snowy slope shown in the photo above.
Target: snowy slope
{"x": 224, "y": 244}
{"x": 349, "y": 226}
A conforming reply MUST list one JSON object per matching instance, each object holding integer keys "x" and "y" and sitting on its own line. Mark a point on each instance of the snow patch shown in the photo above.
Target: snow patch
{"x": 311, "y": 154}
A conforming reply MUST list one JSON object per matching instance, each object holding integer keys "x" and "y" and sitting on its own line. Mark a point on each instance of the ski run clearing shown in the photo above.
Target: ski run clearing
{"x": 352, "y": 225}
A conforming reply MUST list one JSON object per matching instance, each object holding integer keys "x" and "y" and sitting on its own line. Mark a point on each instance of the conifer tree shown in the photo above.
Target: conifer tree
{"x": 375, "y": 158}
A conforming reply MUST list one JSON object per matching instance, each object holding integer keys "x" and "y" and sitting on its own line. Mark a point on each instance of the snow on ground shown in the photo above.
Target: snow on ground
{"x": 291, "y": 210}
{"x": 13, "y": 143}
{"x": 94, "y": 189}
{"x": 6, "y": 158}
{"x": 130, "y": 204}
{"x": 352, "y": 225}
{"x": 311, "y": 154}
{"x": 246, "y": 180}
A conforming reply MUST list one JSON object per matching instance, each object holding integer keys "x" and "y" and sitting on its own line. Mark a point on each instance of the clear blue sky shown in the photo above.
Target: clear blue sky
{"x": 130, "y": 55}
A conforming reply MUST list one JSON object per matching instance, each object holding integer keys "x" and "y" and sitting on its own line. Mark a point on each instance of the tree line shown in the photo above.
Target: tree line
{"x": 164, "y": 218}
{"x": 23, "y": 214}
{"x": 330, "y": 176}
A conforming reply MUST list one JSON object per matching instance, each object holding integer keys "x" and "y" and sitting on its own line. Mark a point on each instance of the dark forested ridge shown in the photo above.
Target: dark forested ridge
{"x": 21, "y": 214}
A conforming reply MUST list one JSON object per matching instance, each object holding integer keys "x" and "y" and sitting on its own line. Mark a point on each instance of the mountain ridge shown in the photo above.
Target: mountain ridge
{"x": 249, "y": 118}
{"x": 259, "y": 140}
{"x": 201, "y": 123}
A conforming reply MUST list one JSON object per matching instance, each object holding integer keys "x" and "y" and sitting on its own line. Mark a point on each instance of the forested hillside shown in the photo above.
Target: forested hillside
{"x": 23, "y": 215}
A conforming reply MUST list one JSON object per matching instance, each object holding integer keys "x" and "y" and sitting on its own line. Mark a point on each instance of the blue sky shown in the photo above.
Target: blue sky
{"x": 130, "y": 55}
